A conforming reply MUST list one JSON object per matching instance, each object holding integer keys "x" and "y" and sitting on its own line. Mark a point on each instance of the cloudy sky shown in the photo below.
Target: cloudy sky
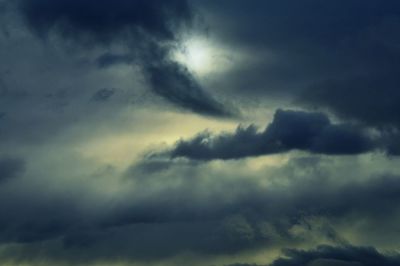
{"x": 199, "y": 132}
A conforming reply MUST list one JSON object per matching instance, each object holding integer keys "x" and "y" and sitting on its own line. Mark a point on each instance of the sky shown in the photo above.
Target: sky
{"x": 199, "y": 132}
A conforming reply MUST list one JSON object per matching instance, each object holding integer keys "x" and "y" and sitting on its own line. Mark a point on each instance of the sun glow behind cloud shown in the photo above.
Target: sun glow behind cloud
{"x": 202, "y": 56}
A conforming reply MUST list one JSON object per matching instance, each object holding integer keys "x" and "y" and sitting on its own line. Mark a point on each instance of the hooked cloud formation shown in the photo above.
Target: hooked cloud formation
{"x": 149, "y": 29}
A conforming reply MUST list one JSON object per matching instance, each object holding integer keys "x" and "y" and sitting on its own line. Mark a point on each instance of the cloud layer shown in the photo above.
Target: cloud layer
{"x": 289, "y": 130}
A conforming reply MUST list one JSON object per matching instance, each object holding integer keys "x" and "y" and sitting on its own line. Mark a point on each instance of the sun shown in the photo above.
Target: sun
{"x": 204, "y": 56}
{"x": 197, "y": 55}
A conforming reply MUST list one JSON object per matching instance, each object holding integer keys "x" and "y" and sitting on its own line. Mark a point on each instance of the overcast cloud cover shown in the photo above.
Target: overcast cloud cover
{"x": 197, "y": 132}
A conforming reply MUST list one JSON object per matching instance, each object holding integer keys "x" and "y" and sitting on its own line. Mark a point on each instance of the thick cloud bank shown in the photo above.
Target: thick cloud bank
{"x": 304, "y": 201}
{"x": 289, "y": 130}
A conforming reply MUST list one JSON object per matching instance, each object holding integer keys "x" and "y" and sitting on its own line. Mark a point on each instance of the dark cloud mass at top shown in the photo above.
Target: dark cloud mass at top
{"x": 115, "y": 147}
{"x": 105, "y": 21}
{"x": 325, "y": 54}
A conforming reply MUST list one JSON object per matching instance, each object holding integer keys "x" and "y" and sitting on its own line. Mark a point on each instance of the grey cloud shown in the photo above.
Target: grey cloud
{"x": 106, "y": 22}
{"x": 319, "y": 54}
{"x": 109, "y": 59}
{"x": 173, "y": 82}
{"x": 289, "y": 130}
{"x": 241, "y": 264}
{"x": 10, "y": 168}
{"x": 234, "y": 217}
{"x": 202, "y": 217}
{"x": 338, "y": 256}
{"x": 391, "y": 141}
{"x": 373, "y": 99}
{"x": 52, "y": 90}
{"x": 103, "y": 94}
{"x": 148, "y": 28}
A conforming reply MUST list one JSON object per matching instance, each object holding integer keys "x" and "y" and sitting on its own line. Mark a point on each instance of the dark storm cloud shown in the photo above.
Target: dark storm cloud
{"x": 338, "y": 55}
{"x": 148, "y": 28}
{"x": 391, "y": 141}
{"x": 10, "y": 168}
{"x": 337, "y": 256}
{"x": 104, "y": 21}
{"x": 289, "y": 130}
{"x": 374, "y": 99}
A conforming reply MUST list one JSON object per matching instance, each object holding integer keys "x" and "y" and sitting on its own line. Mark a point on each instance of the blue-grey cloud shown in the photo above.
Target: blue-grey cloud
{"x": 103, "y": 94}
{"x": 103, "y": 21}
{"x": 289, "y": 130}
{"x": 148, "y": 28}
{"x": 338, "y": 256}
{"x": 199, "y": 217}
{"x": 174, "y": 82}
{"x": 321, "y": 54}
{"x": 10, "y": 168}
{"x": 59, "y": 113}
{"x": 109, "y": 59}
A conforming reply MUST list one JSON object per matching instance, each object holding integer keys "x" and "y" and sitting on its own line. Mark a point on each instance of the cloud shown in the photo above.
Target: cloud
{"x": 337, "y": 256}
{"x": 105, "y": 22}
{"x": 391, "y": 140}
{"x": 74, "y": 198}
{"x": 321, "y": 55}
{"x": 149, "y": 29}
{"x": 10, "y": 168}
{"x": 289, "y": 130}
{"x": 174, "y": 82}
{"x": 103, "y": 94}
{"x": 325, "y": 255}
{"x": 241, "y": 264}
{"x": 109, "y": 59}
{"x": 371, "y": 99}
{"x": 207, "y": 210}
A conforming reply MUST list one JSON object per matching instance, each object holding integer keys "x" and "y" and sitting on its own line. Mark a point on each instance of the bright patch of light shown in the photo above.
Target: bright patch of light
{"x": 200, "y": 56}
